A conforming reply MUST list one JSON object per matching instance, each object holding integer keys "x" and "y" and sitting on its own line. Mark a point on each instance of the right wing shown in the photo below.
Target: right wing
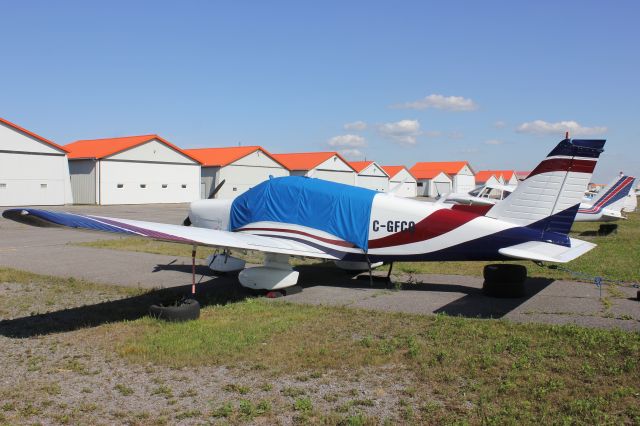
{"x": 167, "y": 232}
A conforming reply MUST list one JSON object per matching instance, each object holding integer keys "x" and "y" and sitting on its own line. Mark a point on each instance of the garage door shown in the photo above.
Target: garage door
{"x": 442, "y": 188}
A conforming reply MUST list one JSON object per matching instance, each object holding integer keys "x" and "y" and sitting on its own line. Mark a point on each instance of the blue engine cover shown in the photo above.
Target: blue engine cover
{"x": 341, "y": 210}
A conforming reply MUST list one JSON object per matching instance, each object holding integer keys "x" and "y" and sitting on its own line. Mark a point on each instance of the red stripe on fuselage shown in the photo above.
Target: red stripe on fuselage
{"x": 473, "y": 208}
{"x": 437, "y": 223}
{"x": 564, "y": 165}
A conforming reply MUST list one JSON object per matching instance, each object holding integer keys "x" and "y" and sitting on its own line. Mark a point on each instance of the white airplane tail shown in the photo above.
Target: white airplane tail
{"x": 550, "y": 196}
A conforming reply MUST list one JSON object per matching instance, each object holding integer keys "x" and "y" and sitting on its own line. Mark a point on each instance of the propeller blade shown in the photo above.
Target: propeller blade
{"x": 216, "y": 189}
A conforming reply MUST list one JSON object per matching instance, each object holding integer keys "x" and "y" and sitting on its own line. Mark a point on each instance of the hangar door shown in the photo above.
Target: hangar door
{"x": 442, "y": 188}
{"x": 347, "y": 178}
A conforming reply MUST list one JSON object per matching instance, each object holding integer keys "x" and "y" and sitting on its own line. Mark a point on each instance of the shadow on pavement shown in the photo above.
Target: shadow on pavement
{"x": 225, "y": 289}
{"x": 216, "y": 291}
{"x": 474, "y": 303}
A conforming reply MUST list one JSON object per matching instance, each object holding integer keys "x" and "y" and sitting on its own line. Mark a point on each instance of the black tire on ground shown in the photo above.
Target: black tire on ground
{"x": 185, "y": 310}
{"x": 274, "y": 294}
{"x": 505, "y": 273}
{"x": 503, "y": 289}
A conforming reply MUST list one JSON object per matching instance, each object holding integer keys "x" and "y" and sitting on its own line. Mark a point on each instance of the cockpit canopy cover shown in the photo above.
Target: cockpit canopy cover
{"x": 340, "y": 210}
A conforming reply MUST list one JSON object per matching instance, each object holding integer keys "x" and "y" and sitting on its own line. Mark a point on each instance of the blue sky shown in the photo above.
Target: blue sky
{"x": 495, "y": 83}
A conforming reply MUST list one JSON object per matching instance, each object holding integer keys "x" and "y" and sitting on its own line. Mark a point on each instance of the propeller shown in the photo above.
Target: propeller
{"x": 187, "y": 220}
{"x": 216, "y": 189}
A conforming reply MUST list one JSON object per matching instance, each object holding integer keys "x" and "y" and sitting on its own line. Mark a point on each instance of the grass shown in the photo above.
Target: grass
{"x": 506, "y": 372}
{"x": 616, "y": 256}
{"x": 24, "y": 293}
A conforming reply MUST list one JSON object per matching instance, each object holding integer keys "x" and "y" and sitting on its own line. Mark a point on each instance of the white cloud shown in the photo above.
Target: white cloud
{"x": 542, "y": 127}
{"x": 403, "y": 131}
{"x": 493, "y": 142}
{"x": 356, "y": 125}
{"x": 351, "y": 154}
{"x": 447, "y": 103}
{"x": 347, "y": 140}
{"x": 500, "y": 124}
{"x": 433, "y": 133}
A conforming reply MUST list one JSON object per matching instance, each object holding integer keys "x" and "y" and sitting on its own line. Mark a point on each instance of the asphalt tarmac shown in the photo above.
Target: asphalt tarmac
{"x": 48, "y": 251}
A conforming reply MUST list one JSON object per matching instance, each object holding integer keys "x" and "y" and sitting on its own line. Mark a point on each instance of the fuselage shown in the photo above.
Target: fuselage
{"x": 399, "y": 229}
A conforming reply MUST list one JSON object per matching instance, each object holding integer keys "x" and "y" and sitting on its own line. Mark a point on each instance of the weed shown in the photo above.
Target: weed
{"x": 188, "y": 393}
{"x": 263, "y": 407}
{"x": 247, "y": 409}
{"x": 163, "y": 390}
{"x": 241, "y": 389}
{"x": 303, "y": 404}
{"x": 292, "y": 392}
{"x": 188, "y": 414}
{"x": 123, "y": 389}
{"x": 225, "y": 410}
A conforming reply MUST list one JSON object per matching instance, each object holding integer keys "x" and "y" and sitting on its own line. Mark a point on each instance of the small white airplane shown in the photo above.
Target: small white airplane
{"x": 298, "y": 216}
{"x": 485, "y": 195}
{"x": 607, "y": 205}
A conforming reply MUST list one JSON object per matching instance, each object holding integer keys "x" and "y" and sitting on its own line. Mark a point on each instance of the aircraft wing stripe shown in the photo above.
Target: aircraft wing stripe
{"x": 340, "y": 243}
{"x": 143, "y": 231}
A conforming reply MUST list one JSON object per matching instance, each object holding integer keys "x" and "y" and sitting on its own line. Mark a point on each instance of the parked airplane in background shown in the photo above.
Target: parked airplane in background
{"x": 607, "y": 204}
{"x": 632, "y": 201}
{"x": 486, "y": 195}
{"x": 298, "y": 216}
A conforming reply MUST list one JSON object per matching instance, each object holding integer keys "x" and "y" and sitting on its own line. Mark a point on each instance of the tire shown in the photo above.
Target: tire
{"x": 185, "y": 310}
{"x": 274, "y": 294}
{"x": 503, "y": 289}
{"x": 504, "y": 273}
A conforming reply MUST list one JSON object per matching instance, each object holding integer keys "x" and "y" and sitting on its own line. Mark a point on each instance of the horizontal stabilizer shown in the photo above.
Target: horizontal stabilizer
{"x": 547, "y": 252}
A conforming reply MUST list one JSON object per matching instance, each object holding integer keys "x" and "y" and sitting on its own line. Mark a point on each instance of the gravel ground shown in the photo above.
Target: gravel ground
{"x": 59, "y": 373}
{"x": 54, "y": 380}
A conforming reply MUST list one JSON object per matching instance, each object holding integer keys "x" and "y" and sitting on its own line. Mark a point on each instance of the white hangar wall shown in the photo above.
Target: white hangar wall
{"x": 32, "y": 172}
{"x": 149, "y": 173}
{"x": 245, "y": 173}
{"x": 124, "y": 182}
{"x": 464, "y": 181}
{"x": 374, "y": 178}
{"x": 334, "y": 170}
{"x": 403, "y": 185}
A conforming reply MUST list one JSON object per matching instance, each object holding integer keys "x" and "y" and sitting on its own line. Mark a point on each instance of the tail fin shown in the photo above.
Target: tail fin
{"x": 550, "y": 196}
{"x": 612, "y": 196}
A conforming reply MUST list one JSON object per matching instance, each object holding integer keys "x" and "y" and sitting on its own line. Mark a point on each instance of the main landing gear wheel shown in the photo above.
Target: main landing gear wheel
{"x": 184, "y": 310}
{"x": 274, "y": 294}
{"x": 504, "y": 280}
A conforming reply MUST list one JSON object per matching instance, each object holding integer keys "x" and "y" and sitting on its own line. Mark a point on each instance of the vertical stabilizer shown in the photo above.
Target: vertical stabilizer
{"x": 552, "y": 192}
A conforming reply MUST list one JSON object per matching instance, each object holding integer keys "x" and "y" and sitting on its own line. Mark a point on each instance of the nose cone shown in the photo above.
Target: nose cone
{"x": 210, "y": 214}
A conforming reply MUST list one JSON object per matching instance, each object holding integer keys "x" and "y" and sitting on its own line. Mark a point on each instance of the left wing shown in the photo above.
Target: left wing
{"x": 166, "y": 232}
